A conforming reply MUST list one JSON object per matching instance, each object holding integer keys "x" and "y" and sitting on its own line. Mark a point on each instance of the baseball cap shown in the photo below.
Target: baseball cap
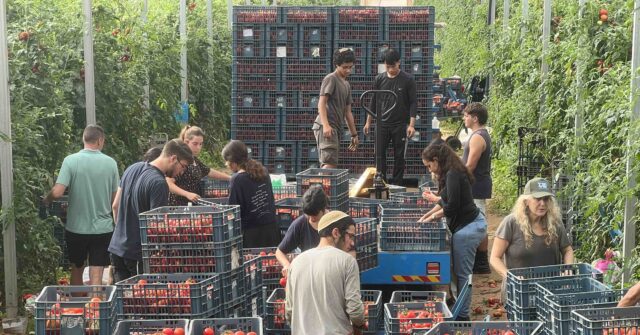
{"x": 333, "y": 217}
{"x": 537, "y": 188}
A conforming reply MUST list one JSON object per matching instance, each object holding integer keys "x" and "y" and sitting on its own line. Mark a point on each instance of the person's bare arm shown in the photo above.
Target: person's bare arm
{"x": 116, "y": 204}
{"x": 476, "y": 148}
{"x": 175, "y": 189}
{"x": 215, "y": 174}
{"x": 497, "y": 253}
{"x": 567, "y": 255}
{"x": 283, "y": 260}
{"x": 57, "y": 191}
{"x": 631, "y": 298}
{"x": 324, "y": 118}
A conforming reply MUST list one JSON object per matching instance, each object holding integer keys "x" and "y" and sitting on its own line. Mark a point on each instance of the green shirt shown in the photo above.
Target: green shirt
{"x": 91, "y": 178}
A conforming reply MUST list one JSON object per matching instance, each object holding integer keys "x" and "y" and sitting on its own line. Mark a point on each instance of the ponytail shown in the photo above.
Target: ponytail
{"x": 188, "y": 132}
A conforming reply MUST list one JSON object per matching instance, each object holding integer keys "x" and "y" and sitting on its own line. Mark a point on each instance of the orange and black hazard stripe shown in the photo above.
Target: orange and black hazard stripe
{"x": 410, "y": 279}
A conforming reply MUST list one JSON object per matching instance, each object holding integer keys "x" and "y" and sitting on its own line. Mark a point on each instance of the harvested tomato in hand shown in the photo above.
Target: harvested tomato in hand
{"x": 283, "y": 282}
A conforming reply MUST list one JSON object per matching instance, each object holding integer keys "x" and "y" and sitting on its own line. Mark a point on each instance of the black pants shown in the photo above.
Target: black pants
{"x": 124, "y": 268}
{"x": 396, "y": 135}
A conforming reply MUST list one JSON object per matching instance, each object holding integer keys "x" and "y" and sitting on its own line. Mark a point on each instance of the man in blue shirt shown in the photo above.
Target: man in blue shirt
{"x": 143, "y": 187}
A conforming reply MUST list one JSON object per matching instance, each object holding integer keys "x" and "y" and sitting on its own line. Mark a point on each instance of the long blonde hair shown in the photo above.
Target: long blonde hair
{"x": 549, "y": 222}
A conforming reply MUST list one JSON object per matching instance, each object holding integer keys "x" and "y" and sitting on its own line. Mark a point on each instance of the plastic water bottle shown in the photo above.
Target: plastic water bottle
{"x": 435, "y": 123}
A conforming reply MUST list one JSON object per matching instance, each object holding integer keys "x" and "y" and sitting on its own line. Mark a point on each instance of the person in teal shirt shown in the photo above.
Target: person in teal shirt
{"x": 92, "y": 180}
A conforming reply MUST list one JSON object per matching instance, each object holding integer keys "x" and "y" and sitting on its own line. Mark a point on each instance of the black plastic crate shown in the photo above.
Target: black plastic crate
{"x": 247, "y": 99}
{"x": 255, "y": 302}
{"x": 169, "y": 296}
{"x": 300, "y": 117}
{"x": 308, "y": 155}
{"x": 409, "y": 15}
{"x": 128, "y": 327}
{"x": 620, "y": 320}
{"x": 253, "y": 272}
{"x": 304, "y": 67}
{"x": 281, "y": 99}
{"x": 359, "y": 23}
{"x": 307, "y": 15}
{"x": 366, "y": 243}
{"x": 515, "y": 313}
{"x": 271, "y": 268}
{"x": 416, "y": 50}
{"x": 410, "y": 31}
{"x": 256, "y": 132}
{"x": 335, "y": 182}
{"x": 233, "y": 286}
{"x": 377, "y": 50}
{"x": 298, "y": 132}
{"x": 255, "y": 116}
{"x": 434, "y": 312}
{"x": 284, "y": 191}
{"x": 255, "y": 14}
{"x": 309, "y": 99}
{"x": 197, "y": 257}
{"x": 248, "y": 48}
{"x": 280, "y": 157}
{"x": 190, "y": 225}
{"x": 274, "y": 319}
{"x": 223, "y": 325}
{"x": 372, "y": 301}
{"x": 411, "y": 198}
{"x": 365, "y": 207}
{"x": 410, "y": 235}
{"x": 287, "y": 210}
{"x": 485, "y": 327}
{"x": 521, "y": 282}
{"x": 282, "y": 41}
{"x": 58, "y": 307}
{"x": 314, "y": 41}
{"x": 418, "y": 296}
{"x": 247, "y": 81}
{"x": 256, "y": 66}
{"x": 213, "y": 188}
{"x": 255, "y": 149}
{"x": 361, "y": 82}
{"x": 559, "y": 307}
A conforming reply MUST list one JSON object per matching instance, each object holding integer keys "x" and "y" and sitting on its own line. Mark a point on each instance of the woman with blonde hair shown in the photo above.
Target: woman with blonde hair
{"x": 184, "y": 188}
{"x": 533, "y": 234}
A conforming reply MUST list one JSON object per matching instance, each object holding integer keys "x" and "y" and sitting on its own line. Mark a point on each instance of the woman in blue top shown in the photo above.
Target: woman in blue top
{"x": 250, "y": 187}
{"x": 466, "y": 223}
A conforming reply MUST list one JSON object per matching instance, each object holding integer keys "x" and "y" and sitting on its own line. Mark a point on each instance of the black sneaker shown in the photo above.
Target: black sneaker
{"x": 481, "y": 264}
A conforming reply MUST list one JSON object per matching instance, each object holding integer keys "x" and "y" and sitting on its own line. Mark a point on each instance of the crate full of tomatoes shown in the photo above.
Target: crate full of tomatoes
{"x": 222, "y": 326}
{"x": 270, "y": 268}
{"x": 366, "y": 243}
{"x": 335, "y": 182}
{"x": 411, "y": 235}
{"x": 404, "y": 318}
{"x": 190, "y": 225}
{"x": 213, "y": 188}
{"x": 152, "y": 327}
{"x": 275, "y": 322}
{"x": 80, "y": 309}
{"x": 169, "y": 296}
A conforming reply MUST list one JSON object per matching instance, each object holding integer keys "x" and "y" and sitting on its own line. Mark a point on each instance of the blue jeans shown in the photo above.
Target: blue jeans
{"x": 463, "y": 253}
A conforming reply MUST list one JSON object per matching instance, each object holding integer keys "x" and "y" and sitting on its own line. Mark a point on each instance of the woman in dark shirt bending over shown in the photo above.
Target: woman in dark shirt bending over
{"x": 467, "y": 224}
{"x": 184, "y": 188}
{"x": 250, "y": 187}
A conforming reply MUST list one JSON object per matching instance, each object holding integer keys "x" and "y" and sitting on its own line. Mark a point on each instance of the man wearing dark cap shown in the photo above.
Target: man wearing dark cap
{"x": 323, "y": 289}
{"x": 303, "y": 231}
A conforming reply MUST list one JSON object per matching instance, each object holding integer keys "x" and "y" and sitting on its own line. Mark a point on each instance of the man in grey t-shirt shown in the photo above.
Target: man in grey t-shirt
{"x": 334, "y": 107}
{"x": 323, "y": 289}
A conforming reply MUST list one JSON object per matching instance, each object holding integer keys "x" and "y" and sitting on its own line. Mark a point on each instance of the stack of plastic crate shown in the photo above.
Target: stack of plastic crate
{"x": 485, "y": 327}
{"x": 75, "y": 310}
{"x": 401, "y": 231}
{"x": 521, "y": 291}
{"x": 609, "y": 321}
{"x": 409, "y": 317}
{"x": 335, "y": 183}
{"x": 366, "y": 243}
{"x": 231, "y": 325}
{"x": 287, "y": 210}
{"x": 192, "y": 264}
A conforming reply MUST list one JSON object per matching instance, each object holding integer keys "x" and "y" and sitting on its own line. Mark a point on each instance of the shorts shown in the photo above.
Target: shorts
{"x": 328, "y": 148}
{"x": 91, "y": 246}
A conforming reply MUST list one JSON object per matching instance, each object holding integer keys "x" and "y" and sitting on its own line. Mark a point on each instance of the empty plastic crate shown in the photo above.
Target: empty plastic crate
{"x": 222, "y": 325}
{"x": 559, "y": 307}
{"x": 421, "y": 315}
{"x": 233, "y": 286}
{"x": 418, "y": 296}
{"x": 520, "y": 282}
{"x": 57, "y": 307}
{"x": 620, "y": 320}
{"x": 548, "y": 288}
{"x": 405, "y": 235}
{"x": 188, "y": 257}
{"x": 128, "y": 327}
{"x": 485, "y": 327}
{"x": 413, "y": 198}
{"x": 255, "y": 302}
{"x": 169, "y": 296}
{"x": 515, "y": 313}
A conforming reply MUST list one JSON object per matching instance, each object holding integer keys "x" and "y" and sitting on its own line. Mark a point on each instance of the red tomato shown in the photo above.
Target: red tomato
{"x": 603, "y": 11}
{"x": 167, "y": 331}
{"x": 283, "y": 282}
{"x": 239, "y": 332}
{"x": 208, "y": 331}
{"x": 178, "y": 331}
{"x": 252, "y": 333}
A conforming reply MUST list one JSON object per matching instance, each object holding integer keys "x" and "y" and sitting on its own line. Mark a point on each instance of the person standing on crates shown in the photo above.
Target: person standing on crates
{"x": 92, "y": 179}
{"x": 334, "y": 107}
{"x": 250, "y": 187}
{"x": 323, "y": 285}
{"x": 477, "y": 157}
{"x": 184, "y": 188}
{"x": 393, "y": 126}
{"x": 303, "y": 231}
{"x": 143, "y": 187}
{"x": 532, "y": 235}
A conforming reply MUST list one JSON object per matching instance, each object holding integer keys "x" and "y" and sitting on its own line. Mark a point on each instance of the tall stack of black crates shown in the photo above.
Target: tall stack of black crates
{"x": 281, "y": 55}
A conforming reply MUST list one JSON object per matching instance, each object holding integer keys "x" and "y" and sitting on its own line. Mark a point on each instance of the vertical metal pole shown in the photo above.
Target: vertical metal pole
{"x": 210, "y": 49}
{"x": 145, "y": 11}
{"x": 492, "y": 12}
{"x": 230, "y": 13}
{"x": 525, "y": 10}
{"x": 546, "y": 33}
{"x": 630, "y": 202}
{"x": 6, "y": 174}
{"x": 89, "y": 78}
{"x": 506, "y": 6}
{"x": 184, "y": 95}
{"x": 578, "y": 122}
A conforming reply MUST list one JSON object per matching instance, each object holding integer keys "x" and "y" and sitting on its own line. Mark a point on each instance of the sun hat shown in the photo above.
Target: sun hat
{"x": 333, "y": 217}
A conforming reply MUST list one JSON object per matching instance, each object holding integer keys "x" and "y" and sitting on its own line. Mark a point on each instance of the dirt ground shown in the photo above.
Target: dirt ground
{"x": 483, "y": 291}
